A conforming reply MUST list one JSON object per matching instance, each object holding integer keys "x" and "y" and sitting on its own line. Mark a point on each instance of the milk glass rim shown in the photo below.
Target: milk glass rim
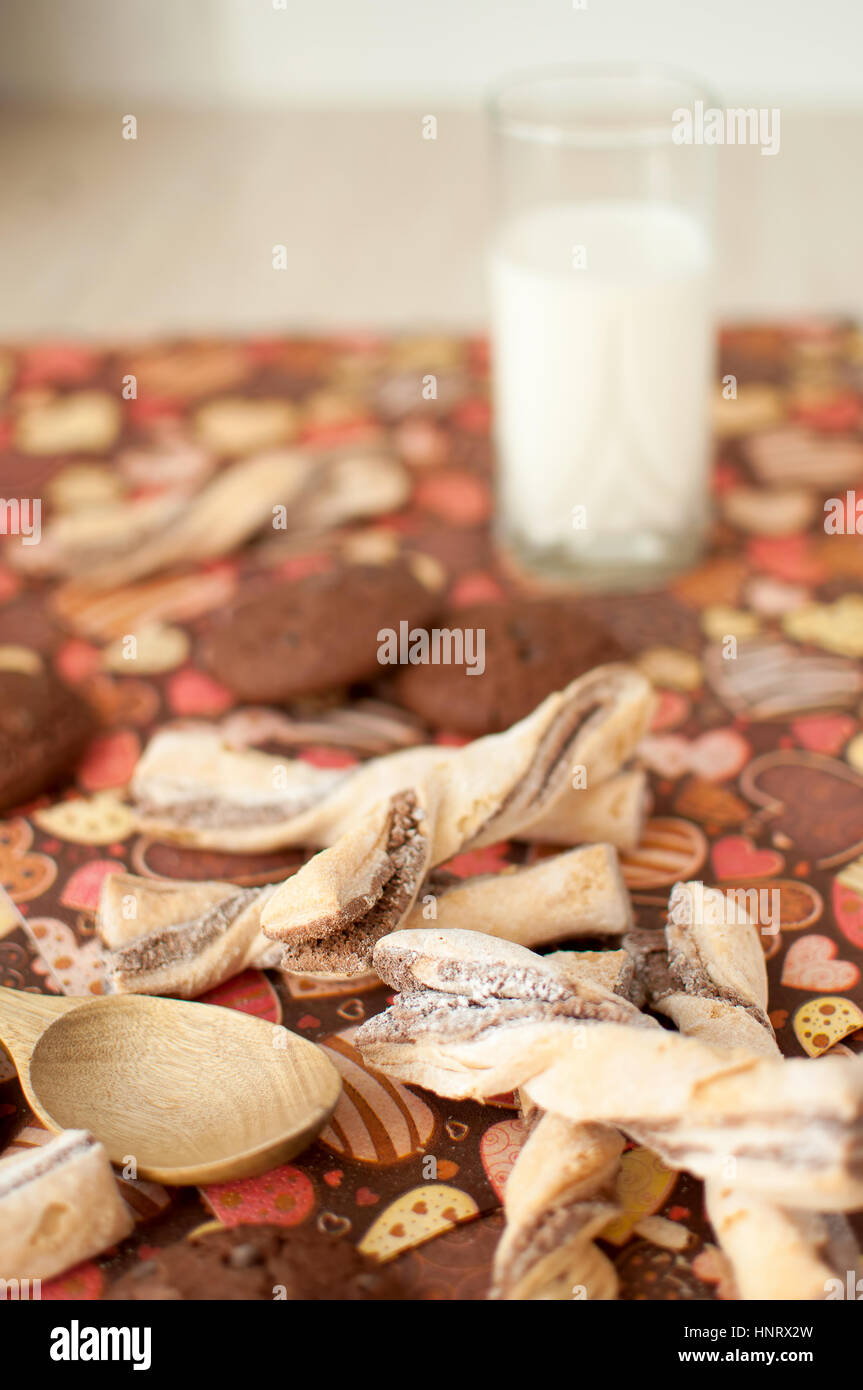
{"x": 586, "y": 130}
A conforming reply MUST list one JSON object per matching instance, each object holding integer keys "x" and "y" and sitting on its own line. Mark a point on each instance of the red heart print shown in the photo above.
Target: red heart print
{"x": 735, "y": 856}
{"x": 848, "y": 911}
{"x": 824, "y": 733}
{"x": 109, "y": 761}
{"x": 85, "y": 884}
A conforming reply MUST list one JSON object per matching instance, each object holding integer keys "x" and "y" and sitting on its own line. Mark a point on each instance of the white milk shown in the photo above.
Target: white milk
{"x": 601, "y": 376}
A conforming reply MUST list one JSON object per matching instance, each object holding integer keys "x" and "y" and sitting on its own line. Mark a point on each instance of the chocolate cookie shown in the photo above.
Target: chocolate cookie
{"x": 259, "y": 1262}
{"x": 43, "y": 729}
{"x": 530, "y": 647}
{"x": 309, "y": 635}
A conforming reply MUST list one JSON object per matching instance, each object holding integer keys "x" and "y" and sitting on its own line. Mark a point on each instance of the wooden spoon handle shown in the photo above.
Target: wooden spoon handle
{"x": 24, "y": 1018}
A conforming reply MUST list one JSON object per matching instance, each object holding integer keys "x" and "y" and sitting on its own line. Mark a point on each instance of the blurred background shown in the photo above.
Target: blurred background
{"x": 299, "y": 123}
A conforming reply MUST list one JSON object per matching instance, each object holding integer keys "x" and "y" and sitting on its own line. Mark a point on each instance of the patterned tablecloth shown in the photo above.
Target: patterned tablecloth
{"x": 756, "y": 759}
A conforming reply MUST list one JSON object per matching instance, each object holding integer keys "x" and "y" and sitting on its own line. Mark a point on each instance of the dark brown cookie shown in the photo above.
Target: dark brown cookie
{"x": 645, "y": 619}
{"x": 259, "y": 1262}
{"x": 43, "y": 729}
{"x": 309, "y": 635}
{"x": 532, "y": 647}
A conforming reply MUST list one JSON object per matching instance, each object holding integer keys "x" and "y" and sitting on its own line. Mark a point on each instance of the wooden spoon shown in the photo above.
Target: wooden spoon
{"x": 191, "y": 1093}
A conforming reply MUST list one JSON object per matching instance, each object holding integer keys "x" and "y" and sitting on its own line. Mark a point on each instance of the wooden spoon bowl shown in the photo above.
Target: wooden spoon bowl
{"x": 191, "y": 1093}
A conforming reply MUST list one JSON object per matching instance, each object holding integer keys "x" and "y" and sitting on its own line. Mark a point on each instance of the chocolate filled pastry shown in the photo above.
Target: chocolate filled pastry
{"x": 613, "y": 812}
{"x": 178, "y": 938}
{"x": 558, "y": 1198}
{"x": 191, "y": 788}
{"x": 714, "y": 986}
{"x": 114, "y": 545}
{"x": 170, "y": 937}
{"x": 364, "y": 727}
{"x": 579, "y": 893}
{"x": 331, "y": 912}
{"x": 794, "y": 1135}
{"x": 476, "y": 1016}
{"x": 59, "y": 1204}
{"x": 560, "y": 1193}
{"x": 356, "y": 896}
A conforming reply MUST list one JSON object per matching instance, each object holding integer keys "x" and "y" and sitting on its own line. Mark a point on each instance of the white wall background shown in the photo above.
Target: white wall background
{"x": 174, "y": 232}
{"x": 373, "y": 53}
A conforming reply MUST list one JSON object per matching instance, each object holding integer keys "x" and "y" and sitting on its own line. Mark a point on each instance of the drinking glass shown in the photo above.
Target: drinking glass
{"x": 602, "y": 331}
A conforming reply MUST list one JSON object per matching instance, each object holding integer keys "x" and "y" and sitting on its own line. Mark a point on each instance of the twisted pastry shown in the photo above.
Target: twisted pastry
{"x": 578, "y": 893}
{"x": 560, "y": 1193}
{"x": 558, "y": 1198}
{"x": 111, "y": 546}
{"x": 192, "y": 788}
{"x": 331, "y": 913}
{"x": 714, "y": 987}
{"x": 170, "y": 937}
{"x": 613, "y": 812}
{"x": 59, "y": 1205}
{"x": 477, "y": 1016}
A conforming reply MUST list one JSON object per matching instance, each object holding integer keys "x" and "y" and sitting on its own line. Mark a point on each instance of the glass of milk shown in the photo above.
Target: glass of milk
{"x": 601, "y": 323}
